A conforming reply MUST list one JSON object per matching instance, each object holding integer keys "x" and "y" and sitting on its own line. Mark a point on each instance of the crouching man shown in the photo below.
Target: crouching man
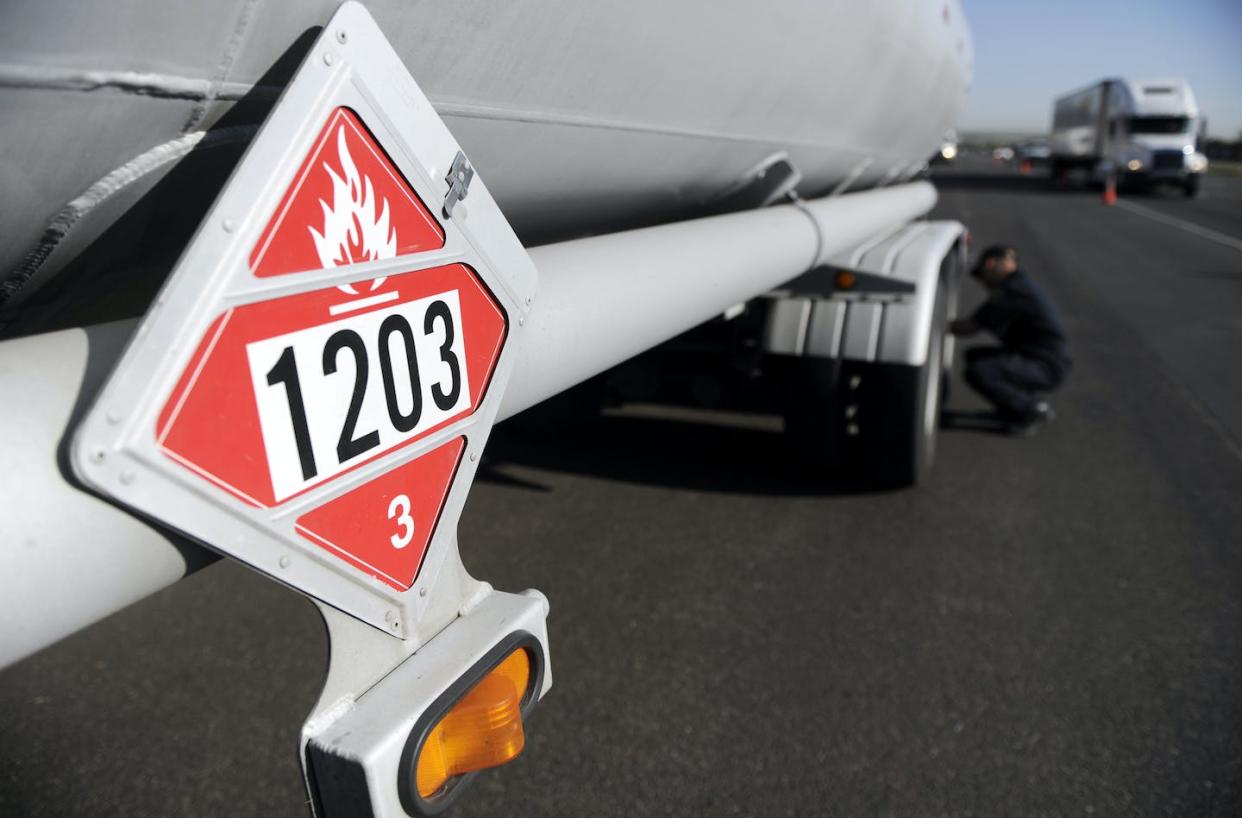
{"x": 1033, "y": 356}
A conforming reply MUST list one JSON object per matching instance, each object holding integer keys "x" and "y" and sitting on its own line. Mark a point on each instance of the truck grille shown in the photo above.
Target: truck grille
{"x": 1166, "y": 160}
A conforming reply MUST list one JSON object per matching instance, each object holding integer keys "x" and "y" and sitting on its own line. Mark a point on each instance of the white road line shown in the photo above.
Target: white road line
{"x": 1181, "y": 224}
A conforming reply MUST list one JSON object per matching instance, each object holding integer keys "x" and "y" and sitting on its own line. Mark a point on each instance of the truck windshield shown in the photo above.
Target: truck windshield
{"x": 1159, "y": 124}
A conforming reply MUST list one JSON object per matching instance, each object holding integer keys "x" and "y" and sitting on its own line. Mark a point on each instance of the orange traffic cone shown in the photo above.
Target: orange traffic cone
{"x": 1110, "y": 190}
{"x": 1024, "y": 167}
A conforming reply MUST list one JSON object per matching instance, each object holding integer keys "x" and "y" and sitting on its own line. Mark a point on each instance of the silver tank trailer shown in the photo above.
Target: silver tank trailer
{"x": 122, "y": 120}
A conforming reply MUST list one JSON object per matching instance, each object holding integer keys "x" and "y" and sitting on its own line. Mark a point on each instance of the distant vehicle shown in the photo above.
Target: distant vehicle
{"x": 1002, "y": 154}
{"x": 1144, "y": 132}
{"x": 1037, "y": 153}
{"x": 948, "y": 149}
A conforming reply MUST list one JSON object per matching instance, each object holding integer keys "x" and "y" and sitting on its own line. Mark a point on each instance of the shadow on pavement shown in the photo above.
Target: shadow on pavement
{"x": 655, "y": 451}
{"x": 1037, "y": 182}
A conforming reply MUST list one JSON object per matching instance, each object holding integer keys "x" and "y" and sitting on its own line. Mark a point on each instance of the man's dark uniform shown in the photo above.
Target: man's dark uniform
{"x": 1033, "y": 356}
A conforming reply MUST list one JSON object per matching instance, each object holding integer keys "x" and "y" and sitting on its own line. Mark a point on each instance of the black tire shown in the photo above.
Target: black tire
{"x": 814, "y": 411}
{"x": 1190, "y": 187}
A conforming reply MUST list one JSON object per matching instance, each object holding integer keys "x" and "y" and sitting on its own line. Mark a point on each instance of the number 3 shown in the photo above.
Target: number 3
{"x": 400, "y": 509}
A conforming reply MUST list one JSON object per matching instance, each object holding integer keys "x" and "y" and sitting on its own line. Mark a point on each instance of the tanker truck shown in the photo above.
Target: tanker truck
{"x": 272, "y": 272}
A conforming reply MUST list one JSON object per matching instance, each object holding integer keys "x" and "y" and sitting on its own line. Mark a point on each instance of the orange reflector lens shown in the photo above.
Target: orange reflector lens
{"x": 484, "y": 728}
{"x": 846, "y": 280}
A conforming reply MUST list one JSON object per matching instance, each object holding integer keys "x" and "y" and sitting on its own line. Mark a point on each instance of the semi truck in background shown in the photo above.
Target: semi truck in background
{"x": 221, "y": 206}
{"x": 1143, "y": 132}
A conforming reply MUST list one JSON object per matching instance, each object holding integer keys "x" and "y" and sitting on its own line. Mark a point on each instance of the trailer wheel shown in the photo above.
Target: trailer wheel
{"x": 869, "y": 424}
{"x": 898, "y": 441}
{"x": 814, "y": 411}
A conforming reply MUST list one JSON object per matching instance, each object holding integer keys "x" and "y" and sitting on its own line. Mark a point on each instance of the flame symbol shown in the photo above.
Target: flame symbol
{"x": 352, "y": 233}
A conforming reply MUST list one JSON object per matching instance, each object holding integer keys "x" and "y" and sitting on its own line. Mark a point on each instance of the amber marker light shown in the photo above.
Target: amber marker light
{"x": 846, "y": 280}
{"x": 483, "y": 729}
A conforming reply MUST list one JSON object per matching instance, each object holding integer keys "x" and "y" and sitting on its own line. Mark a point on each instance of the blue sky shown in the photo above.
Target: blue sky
{"x": 1027, "y": 53}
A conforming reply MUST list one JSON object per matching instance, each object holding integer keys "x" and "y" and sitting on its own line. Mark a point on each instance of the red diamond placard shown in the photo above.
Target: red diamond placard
{"x": 348, "y": 203}
{"x": 286, "y": 394}
{"x": 383, "y": 527}
{"x": 313, "y": 388}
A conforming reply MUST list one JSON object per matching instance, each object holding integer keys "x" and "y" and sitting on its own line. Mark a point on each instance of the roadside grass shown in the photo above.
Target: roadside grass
{"x": 1223, "y": 168}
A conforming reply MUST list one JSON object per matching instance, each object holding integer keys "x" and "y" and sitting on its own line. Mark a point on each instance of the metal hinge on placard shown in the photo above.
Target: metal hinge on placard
{"x": 458, "y": 178}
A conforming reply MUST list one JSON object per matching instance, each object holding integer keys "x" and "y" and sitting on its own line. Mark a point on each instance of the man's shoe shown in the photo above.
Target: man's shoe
{"x": 1029, "y": 423}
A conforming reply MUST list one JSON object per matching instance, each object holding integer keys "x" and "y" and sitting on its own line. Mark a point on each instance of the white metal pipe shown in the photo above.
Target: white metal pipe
{"x": 68, "y": 559}
{"x": 607, "y": 298}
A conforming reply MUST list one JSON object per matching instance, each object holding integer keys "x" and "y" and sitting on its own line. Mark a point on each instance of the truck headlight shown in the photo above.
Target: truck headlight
{"x": 1197, "y": 163}
{"x": 1134, "y": 164}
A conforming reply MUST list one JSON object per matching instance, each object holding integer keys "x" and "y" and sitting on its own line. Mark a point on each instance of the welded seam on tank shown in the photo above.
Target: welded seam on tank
{"x": 470, "y": 110}
{"x": 222, "y": 69}
{"x": 163, "y": 86}
{"x": 178, "y": 87}
{"x": 106, "y": 187}
{"x": 852, "y": 177}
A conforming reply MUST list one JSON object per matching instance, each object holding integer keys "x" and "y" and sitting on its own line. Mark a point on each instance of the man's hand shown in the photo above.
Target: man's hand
{"x": 963, "y": 326}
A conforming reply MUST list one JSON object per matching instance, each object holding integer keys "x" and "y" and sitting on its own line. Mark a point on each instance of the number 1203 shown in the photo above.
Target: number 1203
{"x": 322, "y": 404}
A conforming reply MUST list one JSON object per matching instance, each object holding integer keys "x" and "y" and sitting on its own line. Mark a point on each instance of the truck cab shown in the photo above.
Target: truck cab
{"x": 1142, "y": 132}
{"x": 1153, "y": 133}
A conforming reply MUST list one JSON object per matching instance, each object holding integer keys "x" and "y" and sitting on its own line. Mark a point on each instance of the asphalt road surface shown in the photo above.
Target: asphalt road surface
{"x": 1052, "y": 626}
